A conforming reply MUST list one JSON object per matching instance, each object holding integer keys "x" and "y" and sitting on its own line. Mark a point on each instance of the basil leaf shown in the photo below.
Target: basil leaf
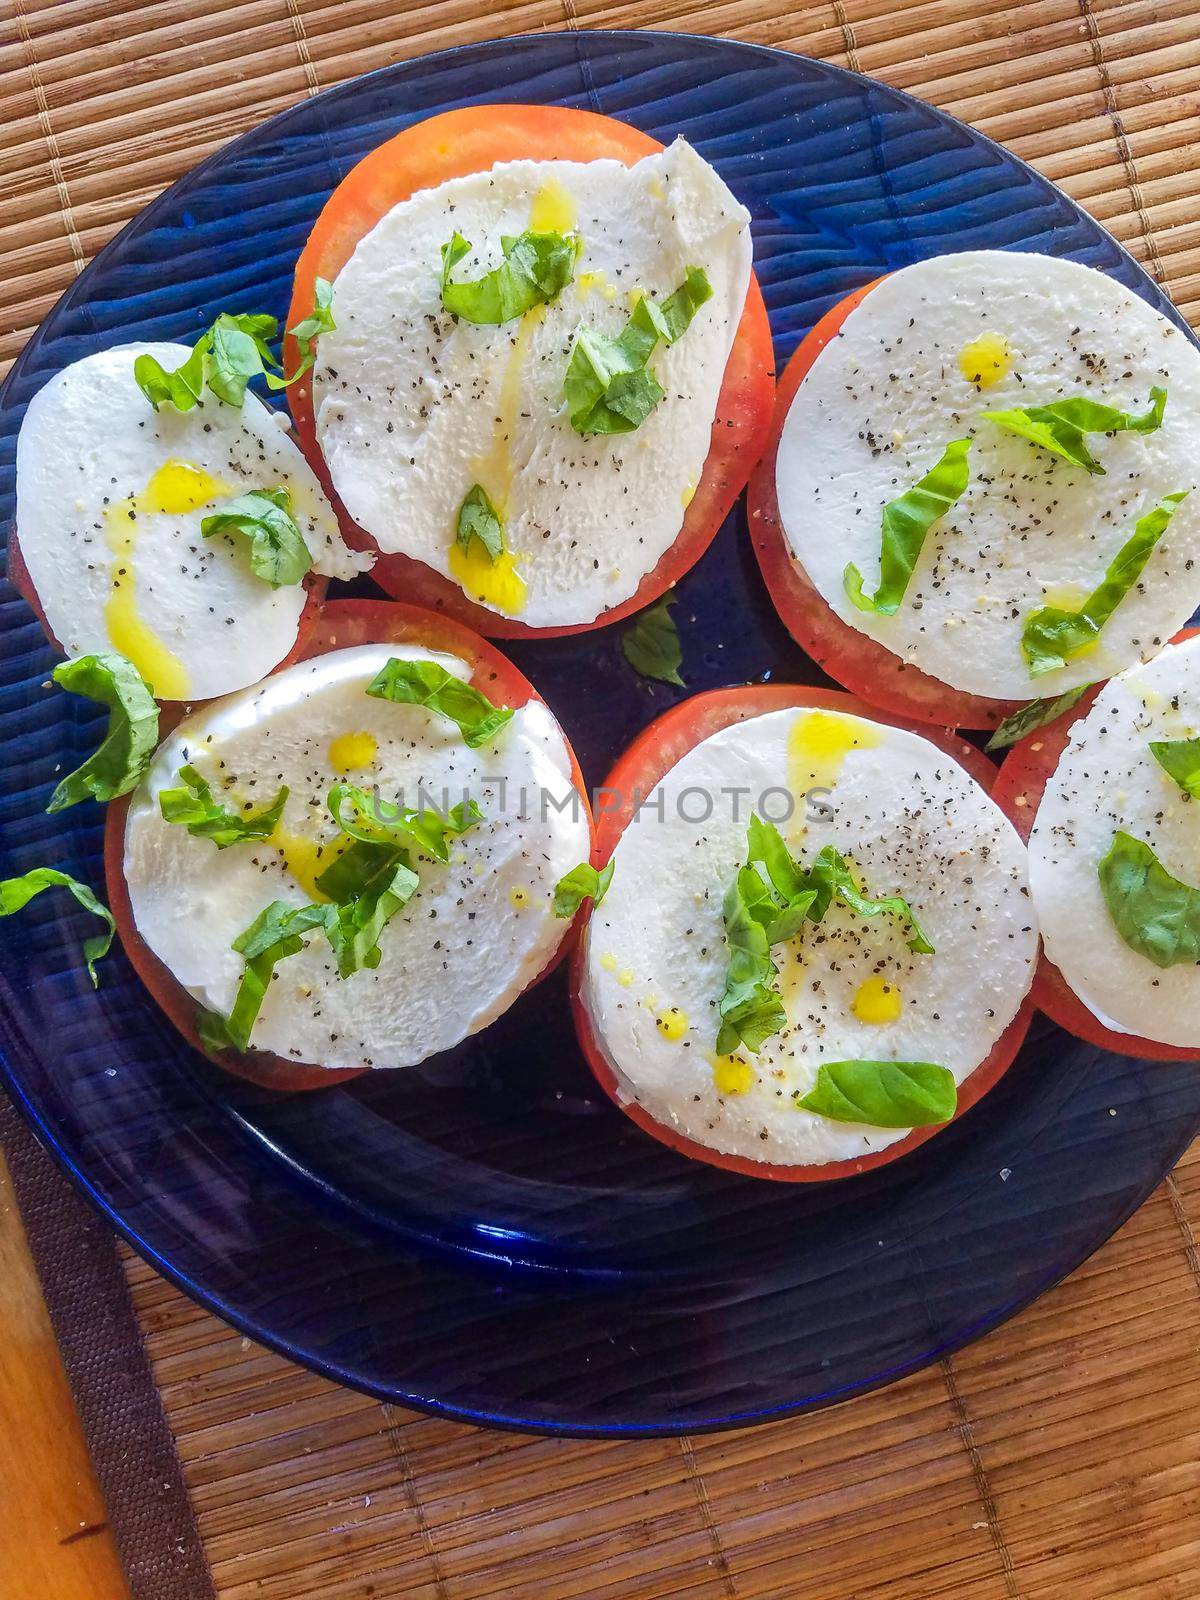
{"x": 229, "y": 354}
{"x": 308, "y": 329}
{"x": 750, "y": 1010}
{"x": 352, "y": 869}
{"x": 1037, "y": 714}
{"x": 607, "y": 386}
{"x": 371, "y": 819}
{"x": 353, "y": 928}
{"x": 882, "y": 1094}
{"x": 651, "y": 645}
{"x": 278, "y": 553}
{"x": 181, "y": 388}
{"x": 16, "y": 893}
{"x": 831, "y": 875}
{"x": 276, "y": 933}
{"x": 906, "y": 522}
{"x": 536, "y": 268}
{"x": 194, "y": 808}
{"x": 762, "y": 912}
{"x": 427, "y": 683}
{"x": 1155, "y": 914}
{"x": 479, "y": 519}
{"x": 581, "y": 883}
{"x": 1060, "y": 427}
{"x": 1179, "y": 759}
{"x": 1053, "y": 635}
{"x": 124, "y": 753}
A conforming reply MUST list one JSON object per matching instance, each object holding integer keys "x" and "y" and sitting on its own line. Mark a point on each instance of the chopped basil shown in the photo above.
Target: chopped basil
{"x": 831, "y": 875}
{"x": 1060, "y": 427}
{"x": 651, "y": 644}
{"x": 906, "y": 522}
{"x": 1179, "y": 759}
{"x": 229, "y": 354}
{"x": 277, "y": 932}
{"x": 582, "y": 883}
{"x": 882, "y": 1094}
{"x": 1053, "y": 635}
{"x": 1037, "y": 714}
{"x": 16, "y": 893}
{"x": 763, "y": 911}
{"x": 427, "y": 683}
{"x": 479, "y": 519}
{"x": 278, "y": 553}
{"x": 536, "y": 268}
{"x": 194, "y": 808}
{"x": 371, "y": 819}
{"x": 1155, "y": 914}
{"x": 608, "y": 385}
{"x": 308, "y": 329}
{"x": 353, "y": 927}
{"x": 117, "y": 765}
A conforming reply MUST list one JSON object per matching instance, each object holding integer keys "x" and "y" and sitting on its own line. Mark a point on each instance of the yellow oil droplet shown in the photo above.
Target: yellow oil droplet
{"x": 175, "y": 489}
{"x": 818, "y": 746}
{"x": 689, "y": 492}
{"x": 877, "y": 1000}
{"x": 985, "y": 360}
{"x": 519, "y": 896}
{"x": 497, "y": 583}
{"x": 553, "y": 209}
{"x": 625, "y": 977}
{"x": 305, "y": 858}
{"x": 732, "y": 1075}
{"x": 178, "y": 487}
{"x": 656, "y": 189}
{"x": 351, "y": 752}
{"x": 608, "y": 961}
{"x": 672, "y": 1023}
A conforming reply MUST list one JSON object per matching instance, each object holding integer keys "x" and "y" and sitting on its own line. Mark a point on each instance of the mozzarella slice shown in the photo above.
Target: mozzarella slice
{"x": 913, "y": 823}
{"x": 474, "y": 934}
{"x": 886, "y": 396}
{"x": 1107, "y": 780}
{"x": 414, "y": 407}
{"x": 110, "y": 498}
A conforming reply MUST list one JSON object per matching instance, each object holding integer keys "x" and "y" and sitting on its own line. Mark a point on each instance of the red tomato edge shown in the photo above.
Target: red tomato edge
{"x": 652, "y": 754}
{"x": 339, "y": 624}
{"x": 743, "y": 414}
{"x": 1020, "y": 785}
{"x": 866, "y": 667}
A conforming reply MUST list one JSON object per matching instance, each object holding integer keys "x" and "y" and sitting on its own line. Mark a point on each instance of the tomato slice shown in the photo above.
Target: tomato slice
{"x": 647, "y": 760}
{"x": 474, "y": 139}
{"x": 22, "y": 582}
{"x": 1018, "y": 791}
{"x": 856, "y": 660}
{"x": 339, "y": 625}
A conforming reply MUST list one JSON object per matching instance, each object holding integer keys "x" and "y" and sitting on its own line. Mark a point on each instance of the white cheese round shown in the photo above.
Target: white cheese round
{"x": 1108, "y": 780}
{"x": 110, "y": 498}
{"x": 476, "y": 931}
{"x": 912, "y": 822}
{"x": 886, "y": 396}
{"x": 414, "y": 407}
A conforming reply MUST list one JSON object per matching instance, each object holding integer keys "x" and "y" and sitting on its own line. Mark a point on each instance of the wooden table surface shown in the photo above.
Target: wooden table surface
{"x": 1055, "y": 1458}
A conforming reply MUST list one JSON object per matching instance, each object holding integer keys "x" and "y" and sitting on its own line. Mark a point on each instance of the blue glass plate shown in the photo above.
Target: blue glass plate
{"x": 484, "y": 1235}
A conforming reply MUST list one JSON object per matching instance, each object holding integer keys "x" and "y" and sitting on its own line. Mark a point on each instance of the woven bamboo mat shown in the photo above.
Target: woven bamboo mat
{"x": 1058, "y": 1457}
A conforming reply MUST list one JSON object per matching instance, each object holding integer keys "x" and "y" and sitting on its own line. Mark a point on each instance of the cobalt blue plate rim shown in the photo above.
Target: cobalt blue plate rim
{"x": 949, "y": 1230}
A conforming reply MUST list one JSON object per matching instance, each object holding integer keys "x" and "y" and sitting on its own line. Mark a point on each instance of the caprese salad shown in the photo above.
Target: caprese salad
{"x": 529, "y": 371}
{"x": 979, "y": 486}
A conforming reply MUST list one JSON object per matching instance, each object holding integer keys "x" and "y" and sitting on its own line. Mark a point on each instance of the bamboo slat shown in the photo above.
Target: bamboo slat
{"x": 1054, "y": 1459}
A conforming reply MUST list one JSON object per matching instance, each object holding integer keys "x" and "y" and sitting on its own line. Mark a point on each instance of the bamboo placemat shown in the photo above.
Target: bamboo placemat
{"x": 1056, "y": 1458}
